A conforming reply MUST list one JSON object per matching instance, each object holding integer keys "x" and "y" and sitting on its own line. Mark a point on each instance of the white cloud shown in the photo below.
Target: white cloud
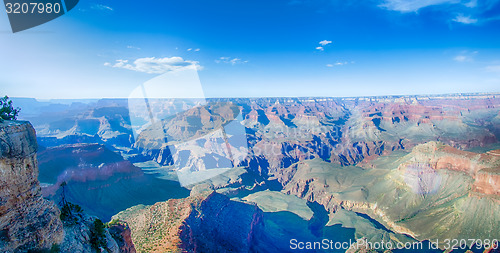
{"x": 325, "y": 42}
{"x": 229, "y": 60}
{"x": 465, "y": 56}
{"x": 189, "y": 49}
{"x": 413, "y": 5}
{"x": 152, "y": 65}
{"x": 461, "y": 18}
{"x": 197, "y": 50}
{"x": 101, "y": 7}
{"x": 132, "y": 47}
{"x": 337, "y": 64}
{"x": 493, "y": 68}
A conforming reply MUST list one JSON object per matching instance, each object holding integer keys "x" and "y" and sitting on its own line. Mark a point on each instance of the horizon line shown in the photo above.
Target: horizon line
{"x": 290, "y": 97}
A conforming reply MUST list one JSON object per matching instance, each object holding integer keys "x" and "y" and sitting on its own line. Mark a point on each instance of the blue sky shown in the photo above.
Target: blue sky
{"x": 259, "y": 48}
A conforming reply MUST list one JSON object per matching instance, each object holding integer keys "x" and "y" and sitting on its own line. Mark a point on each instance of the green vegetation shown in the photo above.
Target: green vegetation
{"x": 97, "y": 236}
{"x": 54, "y": 249}
{"x": 113, "y": 222}
{"x": 7, "y": 110}
{"x": 71, "y": 213}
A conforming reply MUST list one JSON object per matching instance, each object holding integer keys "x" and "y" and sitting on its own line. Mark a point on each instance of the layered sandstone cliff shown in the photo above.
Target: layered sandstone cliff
{"x": 27, "y": 221}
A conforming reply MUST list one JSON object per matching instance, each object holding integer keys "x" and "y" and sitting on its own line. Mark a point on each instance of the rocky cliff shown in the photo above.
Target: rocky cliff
{"x": 283, "y": 131}
{"x": 30, "y": 222}
{"x": 122, "y": 234}
{"x": 82, "y": 237}
{"x": 27, "y": 220}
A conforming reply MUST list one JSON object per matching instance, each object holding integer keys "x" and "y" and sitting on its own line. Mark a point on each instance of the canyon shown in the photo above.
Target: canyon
{"x": 263, "y": 170}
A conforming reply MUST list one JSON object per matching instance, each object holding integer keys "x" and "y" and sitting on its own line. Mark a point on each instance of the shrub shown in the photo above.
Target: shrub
{"x": 54, "y": 249}
{"x": 97, "y": 237}
{"x": 7, "y": 111}
{"x": 71, "y": 213}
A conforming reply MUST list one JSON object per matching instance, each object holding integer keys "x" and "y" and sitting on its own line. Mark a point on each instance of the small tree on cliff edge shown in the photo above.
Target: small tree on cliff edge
{"x": 7, "y": 111}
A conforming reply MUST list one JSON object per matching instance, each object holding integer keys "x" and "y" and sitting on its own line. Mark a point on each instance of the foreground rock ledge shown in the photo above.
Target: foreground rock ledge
{"x": 27, "y": 221}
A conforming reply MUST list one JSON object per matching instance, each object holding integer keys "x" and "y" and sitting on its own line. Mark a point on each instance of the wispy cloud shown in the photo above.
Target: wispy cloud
{"x": 461, "y": 18}
{"x": 471, "y": 4}
{"x": 413, "y": 5}
{"x": 132, "y": 47}
{"x": 101, "y": 7}
{"x": 461, "y": 58}
{"x": 229, "y": 60}
{"x": 493, "y": 68}
{"x": 153, "y": 65}
{"x": 465, "y": 56}
{"x": 462, "y": 11}
{"x": 320, "y": 48}
{"x": 339, "y": 63}
{"x": 193, "y": 49}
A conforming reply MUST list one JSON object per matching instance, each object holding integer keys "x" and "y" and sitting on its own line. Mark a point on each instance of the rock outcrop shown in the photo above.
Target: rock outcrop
{"x": 79, "y": 237}
{"x": 27, "y": 221}
{"x": 483, "y": 168}
{"x": 122, "y": 234}
{"x": 208, "y": 222}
